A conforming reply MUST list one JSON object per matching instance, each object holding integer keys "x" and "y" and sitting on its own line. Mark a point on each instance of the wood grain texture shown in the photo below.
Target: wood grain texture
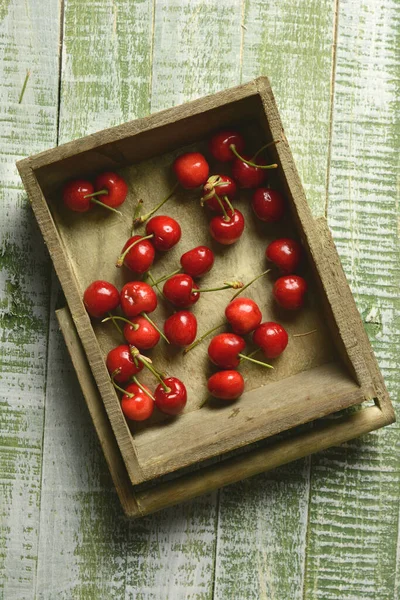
{"x": 354, "y": 492}
{"x": 28, "y": 42}
{"x": 291, "y": 42}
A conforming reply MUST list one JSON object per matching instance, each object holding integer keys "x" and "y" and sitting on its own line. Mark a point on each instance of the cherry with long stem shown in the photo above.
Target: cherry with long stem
{"x": 135, "y": 325}
{"x": 122, "y": 256}
{"x": 151, "y": 212}
{"x": 210, "y": 331}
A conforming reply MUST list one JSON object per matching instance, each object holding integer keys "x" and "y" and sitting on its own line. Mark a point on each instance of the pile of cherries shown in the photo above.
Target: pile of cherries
{"x": 138, "y": 299}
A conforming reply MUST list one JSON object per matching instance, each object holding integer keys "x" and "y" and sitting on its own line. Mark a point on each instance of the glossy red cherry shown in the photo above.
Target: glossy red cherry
{"x": 285, "y": 253}
{"x": 227, "y": 232}
{"x": 141, "y": 334}
{"x": 268, "y": 205}
{"x": 137, "y": 297}
{"x": 221, "y": 142}
{"x": 173, "y": 400}
{"x": 140, "y": 257}
{"x": 224, "y": 350}
{"x": 191, "y": 169}
{"x": 247, "y": 176}
{"x": 178, "y": 289}
{"x": 243, "y": 315}
{"x": 181, "y": 328}
{"x": 120, "y": 364}
{"x": 289, "y": 291}
{"x": 198, "y": 261}
{"x": 166, "y": 232}
{"x": 226, "y": 385}
{"x": 75, "y": 195}
{"x": 272, "y": 338}
{"x": 100, "y": 298}
{"x": 222, "y": 187}
{"x": 115, "y": 187}
{"x": 136, "y": 405}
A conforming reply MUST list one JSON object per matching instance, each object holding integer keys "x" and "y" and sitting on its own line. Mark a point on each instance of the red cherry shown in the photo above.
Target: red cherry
{"x": 171, "y": 402}
{"x": 221, "y": 186}
{"x": 136, "y": 404}
{"x": 74, "y": 195}
{"x": 181, "y": 328}
{"x": 141, "y": 256}
{"x": 119, "y": 361}
{"x": 227, "y": 232}
{"x": 137, "y": 297}
{"x": 221, "y": 142}
{"x": 289, "y": 291}
{"x": 100, "y": 298}
{"x": 198, "y": 261}
{"x": 224, "y": 350}
{"x": 144, "y": 337}
{"x": 166, "y": 231}
{"x": 191, "y": 169}
{"x": 285, "y": 254}
{"x": 243, "y": 315}
{"x": 246, "y": 175}
{"x": 226, "y": 385}
{"x": 272, "y": 338}
{"x": 115, "y": 187}
{"x": 178, "y": 290}
{"x": 268, "y": 205}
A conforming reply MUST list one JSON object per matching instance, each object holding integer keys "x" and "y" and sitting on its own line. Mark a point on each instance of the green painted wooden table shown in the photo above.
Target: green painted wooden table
{"x": 324, "y": 528}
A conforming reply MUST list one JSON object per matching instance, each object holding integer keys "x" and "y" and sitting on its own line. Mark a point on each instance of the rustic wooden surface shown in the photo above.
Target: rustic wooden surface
{"x": 323, "y": 528}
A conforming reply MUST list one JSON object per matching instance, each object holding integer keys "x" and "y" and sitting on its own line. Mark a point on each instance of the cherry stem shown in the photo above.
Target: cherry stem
{"x": 146, "y": 316}
{"x": 227, "y": 285}
{"x": 248, "y": 284}
{"x": 118, "y": 212}
{"x": 122, "y": 256}
{"x": 203, "y": 337}
{"x": 273, "y": 143}
{"x": 135, "y": 380}
{"x": 226, "y": 217}
{"x": 117, "y": 387}
{"x": 228, "y": 203}
{"x": 136, "y": 213}
{"x": 251, "y": 354}
{"x": 99, "y": 193}
{"x": 154, "y": 282}
{"x": 117, "y": 318}
{"x": 146, "y": 362}
{"x": 253, "y": 360}
{"x": 144, "y": 218}
{"x": 249, "y": 162}
{"x": 306, "y": 333}
{"x": 166, "y": 277}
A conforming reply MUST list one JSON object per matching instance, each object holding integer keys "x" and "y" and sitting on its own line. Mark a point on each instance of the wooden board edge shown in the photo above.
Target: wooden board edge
{"x": 98, "y": 414}
{"x": 136, "y": 126}
{"x": 81, "y": 319}
{"x": 139, "y": 503}
{"x": 354, "y": 317}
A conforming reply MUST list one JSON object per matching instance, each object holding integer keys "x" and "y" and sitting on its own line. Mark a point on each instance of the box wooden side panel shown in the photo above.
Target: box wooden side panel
{"x": 323, "y": 260}
{"x": 82, "y": 321}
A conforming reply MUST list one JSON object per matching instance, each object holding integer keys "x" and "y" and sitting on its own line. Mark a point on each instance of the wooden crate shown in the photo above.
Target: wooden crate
{"x": 318, "y": 375}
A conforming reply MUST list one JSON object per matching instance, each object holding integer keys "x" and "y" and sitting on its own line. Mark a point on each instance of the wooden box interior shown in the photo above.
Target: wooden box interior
{"x": 313, "y": 378}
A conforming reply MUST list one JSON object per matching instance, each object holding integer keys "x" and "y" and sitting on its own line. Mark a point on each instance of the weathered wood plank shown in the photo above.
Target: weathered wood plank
{"x": 354, "y": 493}
{"x": 262, "y": 522}
{"x": 87, "y": 549}
{"x": 28, "y": 42}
